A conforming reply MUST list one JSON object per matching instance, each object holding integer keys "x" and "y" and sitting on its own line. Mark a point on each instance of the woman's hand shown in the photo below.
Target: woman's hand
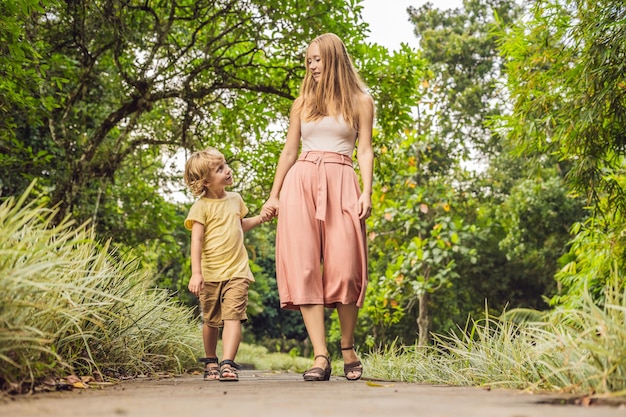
{"x": 365, "y": 206}
{"x": 267, "y": 214}
{"x": 271, "y": 205}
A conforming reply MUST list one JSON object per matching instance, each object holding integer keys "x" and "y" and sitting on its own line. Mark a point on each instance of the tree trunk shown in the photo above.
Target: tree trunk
{"x": 423, "y": 320}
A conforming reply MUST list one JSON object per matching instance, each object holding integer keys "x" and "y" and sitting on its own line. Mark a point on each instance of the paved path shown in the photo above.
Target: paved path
{"x": 260, "y": 394}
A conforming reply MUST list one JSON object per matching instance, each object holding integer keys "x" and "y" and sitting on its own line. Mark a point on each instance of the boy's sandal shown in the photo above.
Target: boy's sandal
{"x": 352, "y": 367}
{"x": 211, "y": 373}
{"x": 228, "y": 366}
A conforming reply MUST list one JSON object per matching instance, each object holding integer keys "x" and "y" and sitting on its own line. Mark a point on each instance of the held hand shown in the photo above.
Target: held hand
{"x": 365, "y": 206}
{"x": 272, "y": 205}
{"x": 266, "y": 214}
{"x": 196, "y": 283}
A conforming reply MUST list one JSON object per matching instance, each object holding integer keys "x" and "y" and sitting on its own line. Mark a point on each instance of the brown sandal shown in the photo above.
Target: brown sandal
{"x": 229, "y": 367}
{"x": 352, "y": 367}
{"x": 211, "y": 373}
{"x": 317, "y": 373}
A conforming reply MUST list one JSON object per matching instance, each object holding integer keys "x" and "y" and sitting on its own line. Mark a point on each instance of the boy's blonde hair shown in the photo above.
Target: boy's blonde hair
{"x": 337, "y": 91}
{"x": 198, "y": 169}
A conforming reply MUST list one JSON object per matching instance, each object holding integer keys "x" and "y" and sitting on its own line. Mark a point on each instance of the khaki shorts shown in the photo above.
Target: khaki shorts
{"x": 224, "y": 300}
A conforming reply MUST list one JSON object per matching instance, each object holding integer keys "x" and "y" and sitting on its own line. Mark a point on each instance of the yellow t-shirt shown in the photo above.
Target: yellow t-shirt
{"x": 224, "y": 255}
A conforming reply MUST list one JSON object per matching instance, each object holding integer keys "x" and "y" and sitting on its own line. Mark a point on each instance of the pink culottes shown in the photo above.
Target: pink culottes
{"x": 321, "y": 247}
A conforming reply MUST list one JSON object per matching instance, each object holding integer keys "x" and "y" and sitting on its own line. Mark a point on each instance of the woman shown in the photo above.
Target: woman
{"x": 321, "y": 248}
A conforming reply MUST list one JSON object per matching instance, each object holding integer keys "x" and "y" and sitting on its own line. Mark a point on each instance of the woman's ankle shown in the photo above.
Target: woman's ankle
{"x": 349, "y": 354}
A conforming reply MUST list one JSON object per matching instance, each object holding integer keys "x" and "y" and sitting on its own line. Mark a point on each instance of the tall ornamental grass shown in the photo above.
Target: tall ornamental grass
{"x": 577, "y": 351}
{"x": 70, "y": 304}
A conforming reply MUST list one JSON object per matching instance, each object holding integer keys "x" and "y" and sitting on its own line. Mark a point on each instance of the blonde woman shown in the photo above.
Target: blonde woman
{"x": 321, "y": 249}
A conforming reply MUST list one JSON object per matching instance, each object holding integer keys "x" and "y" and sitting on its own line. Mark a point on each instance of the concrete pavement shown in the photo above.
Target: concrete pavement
{"x": 261, "y": 393}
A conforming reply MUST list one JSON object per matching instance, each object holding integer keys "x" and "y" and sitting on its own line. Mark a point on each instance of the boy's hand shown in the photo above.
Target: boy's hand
{"x": 267, "y": 213}
{"x": 196, "y": 283}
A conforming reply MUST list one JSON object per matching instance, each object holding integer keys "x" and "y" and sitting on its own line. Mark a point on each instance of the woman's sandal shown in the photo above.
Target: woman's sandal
{"x": 352, "y": 367}
{"x": 228, "y": 366}
{"x": 211, "y": 373}
{"x": 317, "y": 373}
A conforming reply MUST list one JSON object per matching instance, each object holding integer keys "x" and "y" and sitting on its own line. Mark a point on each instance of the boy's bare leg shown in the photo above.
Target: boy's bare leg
{"x": 231, "y": 338}
{"x": 209, "y": 339}
{"x": 313, "y": 316}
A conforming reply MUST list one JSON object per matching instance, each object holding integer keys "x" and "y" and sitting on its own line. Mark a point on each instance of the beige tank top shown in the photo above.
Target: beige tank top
{"x": 328, "y": 134}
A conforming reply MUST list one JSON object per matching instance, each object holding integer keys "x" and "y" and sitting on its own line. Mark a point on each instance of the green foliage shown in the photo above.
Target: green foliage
{"x": 72, "y": 304}
{"x": 158, "y": 78}
{"x": 462, "y": 89}
{"x": 393, "y": 79}
{"x": 459, "y": 92}
{"x": 568, "y": 84}
{"x": 579, "y": 351}
{"x": 594, "y": 262}
{"x": 415, "y": 238}
{"x": 261, "y": 358}
{"x": 536, "y": 218}
{"x": 429, "y": 209}
{"x": 23, "y": 102}
{"x": 566, "y": 77}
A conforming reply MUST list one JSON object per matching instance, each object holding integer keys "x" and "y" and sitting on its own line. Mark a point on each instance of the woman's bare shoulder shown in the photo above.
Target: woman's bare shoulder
{"x": 365, "y": 102}
{"x": 296, "y": 106}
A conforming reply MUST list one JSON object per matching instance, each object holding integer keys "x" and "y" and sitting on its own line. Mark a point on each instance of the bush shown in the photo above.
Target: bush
{"x": 71, "y": 304}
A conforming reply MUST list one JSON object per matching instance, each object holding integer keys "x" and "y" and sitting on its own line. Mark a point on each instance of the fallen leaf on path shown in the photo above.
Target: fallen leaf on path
{"x": 375, "y": 384}
{"x": 103, "y": 384}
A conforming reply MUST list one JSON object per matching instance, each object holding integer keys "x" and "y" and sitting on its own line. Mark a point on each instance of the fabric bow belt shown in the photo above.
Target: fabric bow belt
{"x": 320, "y": 159}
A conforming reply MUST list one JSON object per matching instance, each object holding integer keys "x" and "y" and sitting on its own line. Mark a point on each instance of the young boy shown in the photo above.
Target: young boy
{"x": 220, "y": 273}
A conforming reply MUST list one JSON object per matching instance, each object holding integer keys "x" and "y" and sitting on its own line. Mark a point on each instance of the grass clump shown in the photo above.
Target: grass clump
{"x": 70, "y": 304}
{"x": 260, "y": 358}
{"x": 578, "y": 351}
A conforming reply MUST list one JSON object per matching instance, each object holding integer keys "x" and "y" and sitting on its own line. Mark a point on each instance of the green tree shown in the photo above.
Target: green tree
{"x": 465, "y": 70}
{"x": 501, "y": 195}
{"x": 23, "y": 74}
{"x": 418, "y": 246}
{"x": 130, "y": 79}
{"x": 566, "y": 77}
{"x": 165, "y": 76}
{"x": 415, "y": 237}
{"x": 537, "y": 217}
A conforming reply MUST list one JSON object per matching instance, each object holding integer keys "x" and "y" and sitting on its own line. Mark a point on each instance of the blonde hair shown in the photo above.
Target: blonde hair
{"x": 198, "y": 169}
{"x": 339, "y": 87}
